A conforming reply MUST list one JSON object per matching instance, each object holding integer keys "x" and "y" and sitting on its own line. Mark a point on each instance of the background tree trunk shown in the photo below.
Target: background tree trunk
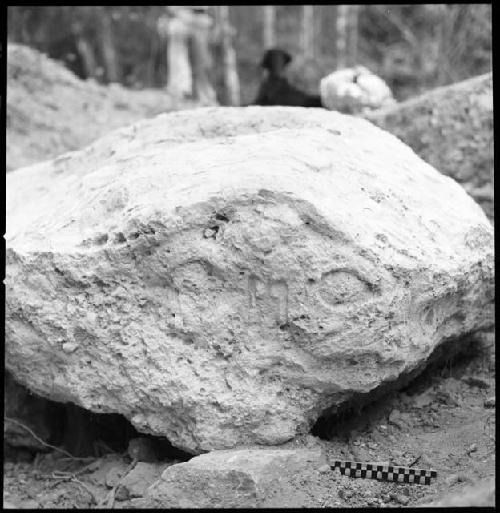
{"x": 106, "y": 42}
{"x": 352, "y": 35}
{"x": 180, "y": 81}
{"x": 231, "y": 80}
{"x": 308, "y": 31}
{"x": 85, "y": 50}
{"x": 341, "y": 33}
{"x": 201, "y": 58}
{"x": 269, "y": 13}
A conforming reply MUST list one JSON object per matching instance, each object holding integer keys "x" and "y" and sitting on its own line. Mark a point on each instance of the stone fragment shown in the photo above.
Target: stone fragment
{"x": 122, "y": 493}
{"x": 450, "y": 127}
{"x": 352, "y": 90}
{"x": 490, "y": 402}
{"x": 476, "y": 381}
{"x": 480, "y": 493}
{"x": 140, "y": 477}
{"x": 113, "y": 476}
{"x": 245, "y": 478}
{"x": 336, "y": 269}
{"x": 324, "y": 469}
{"x": 143, "y": 449}
{"x": 472, "y": 448}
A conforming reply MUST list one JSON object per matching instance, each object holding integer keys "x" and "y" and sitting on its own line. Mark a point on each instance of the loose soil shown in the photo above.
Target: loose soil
{"x": 443, "y": 420}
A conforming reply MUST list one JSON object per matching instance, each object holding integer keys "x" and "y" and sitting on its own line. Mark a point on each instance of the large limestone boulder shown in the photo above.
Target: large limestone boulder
{"x": 222, "y": 276}
{"x": 451, "y": 128}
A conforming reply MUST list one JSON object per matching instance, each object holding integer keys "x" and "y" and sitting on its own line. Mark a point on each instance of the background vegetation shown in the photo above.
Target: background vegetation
{"x": 413, "y": 47}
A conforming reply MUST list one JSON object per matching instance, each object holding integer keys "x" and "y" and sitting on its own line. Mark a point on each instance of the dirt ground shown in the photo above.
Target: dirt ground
{"x": 443, "y": 420}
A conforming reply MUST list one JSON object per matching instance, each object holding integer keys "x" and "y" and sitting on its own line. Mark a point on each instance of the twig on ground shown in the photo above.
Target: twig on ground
{"x": 108, "y": 501}
{"x": 37, "y": 438}
{"x": 487, "y": 425}
{"x": 415, "y": 461}
{"x": 83, "y": 485}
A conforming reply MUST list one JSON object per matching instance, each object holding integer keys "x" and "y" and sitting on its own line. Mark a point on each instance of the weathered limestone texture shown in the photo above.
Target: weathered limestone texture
{"x": 221, "y": 276}
{"x": 247, "y": 478}
{"x": 451, "y": 128}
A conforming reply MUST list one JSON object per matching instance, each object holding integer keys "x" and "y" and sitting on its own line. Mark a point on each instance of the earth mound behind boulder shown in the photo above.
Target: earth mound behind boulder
{"x": 451, "y": 128}
{"x": 222, "y": 276}
{"x": 51, "y": 111}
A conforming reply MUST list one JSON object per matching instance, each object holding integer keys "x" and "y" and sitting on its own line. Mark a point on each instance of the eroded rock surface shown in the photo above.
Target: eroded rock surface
{"x": 451, "y": 128}
{"x": 247, "y": 478}
{"x": 221, "y": 276}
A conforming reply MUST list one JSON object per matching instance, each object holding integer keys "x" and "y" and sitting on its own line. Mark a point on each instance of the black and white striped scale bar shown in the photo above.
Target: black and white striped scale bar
{"x": 384, "y": 472}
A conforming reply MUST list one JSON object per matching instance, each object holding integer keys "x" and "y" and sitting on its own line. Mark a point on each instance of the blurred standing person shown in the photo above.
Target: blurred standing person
{"x": 201, "y": 56}
{"x": 187, "y": 30}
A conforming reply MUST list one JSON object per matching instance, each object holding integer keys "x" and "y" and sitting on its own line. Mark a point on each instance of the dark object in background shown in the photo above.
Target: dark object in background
{"x": 275, "y": 89}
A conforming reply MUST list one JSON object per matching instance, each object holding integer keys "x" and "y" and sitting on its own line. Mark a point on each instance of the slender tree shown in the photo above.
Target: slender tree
{"x": 201, "y": 58}
{"x": 231, "y": 80}
{"x": 308, "y": 31}
{"x": 269, "y": 13}
{"x": 106, "y": 42}
{"x": 84, "y": 48}
{"x": 352, "y": 35}
{"x": 180, "y": 82}
{"x": 341, "y": 33}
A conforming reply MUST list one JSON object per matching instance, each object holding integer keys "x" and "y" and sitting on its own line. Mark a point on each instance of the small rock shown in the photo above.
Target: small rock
{"x": 113, "y": 476}
{"x": 209, "y": 233}
{"x": 400, "y": 498}
{"x": 121, "y": 493}
{"x": 490, "y": 402}
{"x": 474, "y": 381}
{"x": 422, "y": 400}
{"x": 425, "y": 461}
{"x": 143, "y": 449}
{"x": 403, "y": 499}
{"x": 472, "y": 448}
{"x": 138, "y": 503}
{"x": 324, "y": 469}
{"x": 140, "y": 477}
{"x": 69, "y": 347}
{"x": 344, "y": 494}
{"x": 396, "y": 418}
